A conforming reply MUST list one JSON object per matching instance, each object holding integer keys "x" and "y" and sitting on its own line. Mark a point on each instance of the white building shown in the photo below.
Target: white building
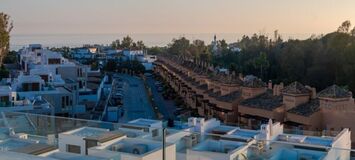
{"x": 134, "y": 149}
{"x": 10, "y": 102}
{"x": 153, "y": 127}
{"x": 83, "y": 53}
{"x": 80, "y": 140}
{"x": 60, "y": 81}
{"x": 269, "y": 142}
{"x": 133, "y": 54}
{"x": 199, "y": 140}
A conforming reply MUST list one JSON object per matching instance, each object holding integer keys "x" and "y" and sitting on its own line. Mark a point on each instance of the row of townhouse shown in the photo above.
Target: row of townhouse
{"x": 249, "y": 101}
{"x": 142, "y": 139}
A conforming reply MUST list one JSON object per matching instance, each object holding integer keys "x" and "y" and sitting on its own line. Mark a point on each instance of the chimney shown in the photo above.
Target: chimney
{"x": 241, "y": 76}
{"x": 269, "y": 85}
{"x": 314, "y": 93}
{"x": 280, "y": 88}
{"x": 351, "y": 97}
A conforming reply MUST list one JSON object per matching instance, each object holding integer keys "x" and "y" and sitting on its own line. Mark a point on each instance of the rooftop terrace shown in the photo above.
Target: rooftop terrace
{"x": 212, "y": 139}
{"x": 217, "y": 146}
{"x": 302, "y": 139}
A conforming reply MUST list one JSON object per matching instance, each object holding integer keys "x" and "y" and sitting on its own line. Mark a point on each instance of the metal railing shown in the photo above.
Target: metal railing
{"x": 227, "y": 142}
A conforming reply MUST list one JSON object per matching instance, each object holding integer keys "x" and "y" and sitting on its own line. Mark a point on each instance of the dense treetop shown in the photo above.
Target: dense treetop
{"x": 319, "y": 61}
{"x": 5, "y": 29}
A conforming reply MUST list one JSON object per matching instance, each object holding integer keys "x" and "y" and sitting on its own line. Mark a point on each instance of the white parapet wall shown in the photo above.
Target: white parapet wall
{"x": 341, "y": 146}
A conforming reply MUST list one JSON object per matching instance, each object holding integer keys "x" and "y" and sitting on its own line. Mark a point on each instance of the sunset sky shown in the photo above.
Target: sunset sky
{"x": 177, "y": 16}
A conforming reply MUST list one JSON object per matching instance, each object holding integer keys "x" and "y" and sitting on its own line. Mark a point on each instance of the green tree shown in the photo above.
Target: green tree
{"x": 352, "y": 32}
{"x": 127, "y": 42}
{"x": 206, "y": 56}
{"x": 133, "y": 65}
{"x": 116, "y": 44}
{"x": 5, "y": 29}
{"x": 344, "y": 27}
{"x": 223, "y": 44}
{"x": 4, "y": 73}
{"x": 318, "y": 61}
{"x": 10, "y": 58}
{"x": 94, "y": 65}
{"x": 261, "y": 62}
{"x": 65, "y": 51}
{"x": 110, "y": 66}
{"x": 232, "y": 68}
{"x": 140, "y": 45}
{"x": 156, "y": 50}
{"x": 179, "y": 47}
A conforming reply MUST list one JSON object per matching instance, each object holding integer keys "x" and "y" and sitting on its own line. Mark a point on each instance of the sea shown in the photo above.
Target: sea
{"x": 18, "y": 41}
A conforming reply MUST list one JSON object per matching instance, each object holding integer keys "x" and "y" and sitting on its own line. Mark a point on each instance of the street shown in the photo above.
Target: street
{"x": 135, "y": 99}
{"x": 165, "y": 107}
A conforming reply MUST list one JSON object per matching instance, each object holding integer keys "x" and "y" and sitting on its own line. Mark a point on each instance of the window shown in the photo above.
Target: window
{"x": 89, "y": 144}
{"x": 63, "y": 102}
{"x": 54, "y": 61}
{"x": 73, "y": 148}
{"x": 80, "y": 84}
{"x": 154, "y": 132}
{"x": 67, "y": 100}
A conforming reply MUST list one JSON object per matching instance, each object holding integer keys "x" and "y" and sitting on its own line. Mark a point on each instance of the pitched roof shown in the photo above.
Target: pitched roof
{"x": 253, "y": 82}
{"x": 334, "y": 91}
{"x": 266, "y": 101}
{"x": 202, "y": 86}
{"x": 230, "y": 97}
{"x": 296, "y": 88}
{"x": 306, "y": 109}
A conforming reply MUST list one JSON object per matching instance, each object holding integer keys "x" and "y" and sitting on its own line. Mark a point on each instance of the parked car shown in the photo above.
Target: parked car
{"x": 118, "y": 95}
{"x": 147, "y": 74}
{"x": 157, "y": 83}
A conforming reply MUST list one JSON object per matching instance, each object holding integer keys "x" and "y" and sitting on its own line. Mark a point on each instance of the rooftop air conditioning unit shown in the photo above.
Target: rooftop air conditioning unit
{"x": 190, "y": 141}
{"x": 139, "y": 149}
